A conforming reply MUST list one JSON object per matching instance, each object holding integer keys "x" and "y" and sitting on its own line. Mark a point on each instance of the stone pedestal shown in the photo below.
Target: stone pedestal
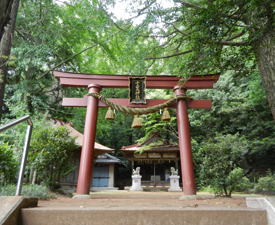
{"x": 174, "y": 183}
{"x": 136, "y": 183}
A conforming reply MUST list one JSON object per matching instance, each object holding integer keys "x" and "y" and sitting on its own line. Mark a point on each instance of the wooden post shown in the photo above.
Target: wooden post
{"x": 154, "y": 173}
{"x": 177, "y": 165}
{"x": 187, "y": 169}
{"x": 87, "y": 153}
{"x": 133, "y": 166}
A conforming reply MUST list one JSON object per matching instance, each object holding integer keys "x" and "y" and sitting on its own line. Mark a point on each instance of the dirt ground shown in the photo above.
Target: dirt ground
{"x": 146, "y": 200}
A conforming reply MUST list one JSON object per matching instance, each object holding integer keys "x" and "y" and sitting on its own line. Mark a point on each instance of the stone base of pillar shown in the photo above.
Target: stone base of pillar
{"x": 190, "y": 197}
{"x": 82, "y": 196}
{"x": 174, "y": 183}
{"x": 136, "y": 183}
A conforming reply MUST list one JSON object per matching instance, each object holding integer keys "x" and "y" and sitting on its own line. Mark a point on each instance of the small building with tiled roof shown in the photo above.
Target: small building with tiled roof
{"x": 154, "y": 156}
{"x": 105, "y": 165}
{"x": 98, "y": 148}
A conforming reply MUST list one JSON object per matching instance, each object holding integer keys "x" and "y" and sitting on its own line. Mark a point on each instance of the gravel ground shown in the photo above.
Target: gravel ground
{"x": 146, "y": 200}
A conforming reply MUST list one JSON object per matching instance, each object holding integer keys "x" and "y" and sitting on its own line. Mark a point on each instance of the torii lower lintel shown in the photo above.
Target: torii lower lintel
{"x": 82, "y": 102}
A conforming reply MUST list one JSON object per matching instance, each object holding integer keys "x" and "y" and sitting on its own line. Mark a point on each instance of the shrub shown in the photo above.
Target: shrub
{"x": 8, "y": 165}
{"x": 266, "y": 184}
{"x": 50, "y": 153}
{"x": 221, "y": 158}
{"x": 39, "y": 191}
{"x": 244, "y": 185}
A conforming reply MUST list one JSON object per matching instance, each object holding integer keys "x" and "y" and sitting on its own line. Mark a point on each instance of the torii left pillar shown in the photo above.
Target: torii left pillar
{"x": 187, "y": 170}
{"x": 87, "y": 153}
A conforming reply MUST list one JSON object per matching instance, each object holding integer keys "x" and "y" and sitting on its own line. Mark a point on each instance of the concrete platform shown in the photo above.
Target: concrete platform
{"x": 103, "y": 189}
{"x": 267, "y": 203}
{"x": 144, "y": 208}
{"x": 10, "y": 207}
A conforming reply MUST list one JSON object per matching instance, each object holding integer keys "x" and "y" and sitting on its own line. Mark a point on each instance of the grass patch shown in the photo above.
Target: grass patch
{"x": 39, "y": 191}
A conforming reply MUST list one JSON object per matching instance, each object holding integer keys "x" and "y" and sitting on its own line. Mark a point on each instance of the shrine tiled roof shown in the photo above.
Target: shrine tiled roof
{"x": 160, "y": 145}
{"x": 152, "y": 149}
{"x": 108, "y": 159}
{"x": 79, "y": 139}
{"x": 79, "y": 136}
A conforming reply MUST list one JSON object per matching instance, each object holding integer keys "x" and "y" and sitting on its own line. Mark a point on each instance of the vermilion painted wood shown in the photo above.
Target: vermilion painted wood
{"x": 122, "y": 81}
{"x": 82, "y": 102}
{"x": 87, "y": 153}
{"x": 59, "y": 74}
{"x": 186, "y": 159}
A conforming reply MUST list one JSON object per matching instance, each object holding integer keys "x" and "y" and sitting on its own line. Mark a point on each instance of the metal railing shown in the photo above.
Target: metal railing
{"x": 25, "y": 150}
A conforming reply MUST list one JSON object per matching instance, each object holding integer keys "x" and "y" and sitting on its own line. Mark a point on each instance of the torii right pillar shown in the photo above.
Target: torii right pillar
{"x": 186, "y": 159}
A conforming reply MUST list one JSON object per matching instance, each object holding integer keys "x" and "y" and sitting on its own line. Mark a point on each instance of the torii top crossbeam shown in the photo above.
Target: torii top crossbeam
{"x": 122, "y": 81}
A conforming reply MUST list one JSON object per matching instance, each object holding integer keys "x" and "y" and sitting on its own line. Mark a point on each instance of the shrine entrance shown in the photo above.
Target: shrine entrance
{"x": 154, "y": 162}
{"x": 95, "y": 82}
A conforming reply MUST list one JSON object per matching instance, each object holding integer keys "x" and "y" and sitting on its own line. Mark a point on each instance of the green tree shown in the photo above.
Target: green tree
{"x": 198, "y": 37}
{"x": 238, "y": 105}
{"x": 220, "y": 161}
{"x": 8, "y": 12}
{"x": 48, "y": 36}
{"x": 266, "y": 184}
{"x": 8, "y": 164}
{"x": 50, "y": 153}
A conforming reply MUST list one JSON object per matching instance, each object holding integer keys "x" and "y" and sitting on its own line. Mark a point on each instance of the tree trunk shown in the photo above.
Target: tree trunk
{"x": 7, "y": 22}
{"x": 34, "y": 177}
{"x": 264, "y": 51}
{"x": 5, "y": 9}
{"x": 30, "y": 177}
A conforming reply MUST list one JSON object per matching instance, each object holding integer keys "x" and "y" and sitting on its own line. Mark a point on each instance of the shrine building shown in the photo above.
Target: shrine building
{"x": 155, "y": 157}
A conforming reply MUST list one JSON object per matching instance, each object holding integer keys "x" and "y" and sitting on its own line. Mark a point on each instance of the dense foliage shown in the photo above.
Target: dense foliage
{"x": 8, "y": 164}
{"x": 266, "y": 184}
{"x": 50, "y": 152}
{"x": 220, "y": 161}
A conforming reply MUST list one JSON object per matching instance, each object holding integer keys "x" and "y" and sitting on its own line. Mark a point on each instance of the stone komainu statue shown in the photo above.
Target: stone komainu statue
{"x": 136, "y": 172}
{"x": 173, "y": 171}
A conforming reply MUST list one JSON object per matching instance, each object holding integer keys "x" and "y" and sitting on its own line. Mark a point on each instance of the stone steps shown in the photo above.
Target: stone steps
{"x": 122, "y": 207}
{"x": 124, "y": 216}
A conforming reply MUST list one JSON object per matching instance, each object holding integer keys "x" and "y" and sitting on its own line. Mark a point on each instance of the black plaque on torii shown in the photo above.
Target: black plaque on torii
{"x": 137, "y": 88}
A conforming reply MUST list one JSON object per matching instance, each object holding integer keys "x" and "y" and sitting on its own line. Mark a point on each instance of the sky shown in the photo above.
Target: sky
{"x": 122, "y": 6}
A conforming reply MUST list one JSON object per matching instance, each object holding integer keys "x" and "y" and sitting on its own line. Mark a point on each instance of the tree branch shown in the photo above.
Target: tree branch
{"x": 184, "y": 34}
{"x": 157, "y": 36}
{"x": 165, "y": 45}
{"x": 144, "y": 8}
{"x": 177, "y": 48}
{"x": 59, "y": 111}
{"x": 21, "y": 35}
{"x": 170, "y": 56}
{"x": 119, "y": 26}
{"x": 234, "y": 43}
{"x": 236, "y": 36}
{"x": 56, "y": 110}
{"x": 146, "y": 71}
{"x": 188, "y": 4}
{"x": 44, "y": 74}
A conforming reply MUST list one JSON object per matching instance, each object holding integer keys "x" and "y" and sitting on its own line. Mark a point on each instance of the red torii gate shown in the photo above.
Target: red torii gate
{"x": 95, "y": 82}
